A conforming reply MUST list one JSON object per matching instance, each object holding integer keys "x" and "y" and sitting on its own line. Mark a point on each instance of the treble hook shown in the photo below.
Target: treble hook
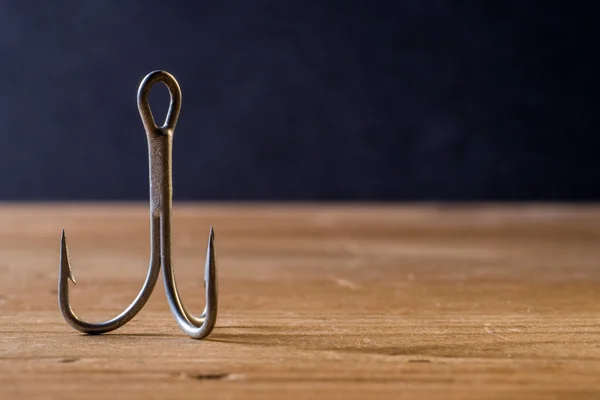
{"x": 160, "y": 153}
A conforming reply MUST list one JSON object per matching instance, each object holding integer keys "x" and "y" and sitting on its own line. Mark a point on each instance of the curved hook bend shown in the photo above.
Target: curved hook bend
{"x": 196, "y": 327}
{"x": 127, "y": 315}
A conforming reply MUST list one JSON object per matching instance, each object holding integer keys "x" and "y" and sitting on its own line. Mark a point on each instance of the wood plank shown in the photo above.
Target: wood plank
{"x": 317, "y": 301}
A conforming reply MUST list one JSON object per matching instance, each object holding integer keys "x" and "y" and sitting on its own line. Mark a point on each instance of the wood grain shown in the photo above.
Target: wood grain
{"x": 338, "y": 301}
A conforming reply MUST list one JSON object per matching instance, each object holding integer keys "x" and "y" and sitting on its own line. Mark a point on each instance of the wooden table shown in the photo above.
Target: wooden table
{"x": 365, "y": 302}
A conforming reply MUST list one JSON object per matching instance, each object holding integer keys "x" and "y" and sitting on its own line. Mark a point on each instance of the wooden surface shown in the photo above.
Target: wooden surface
{"x": 354, "y": 302}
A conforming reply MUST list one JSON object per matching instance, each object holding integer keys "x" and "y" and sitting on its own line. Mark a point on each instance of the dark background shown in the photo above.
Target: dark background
{"x": 304, "y": 100}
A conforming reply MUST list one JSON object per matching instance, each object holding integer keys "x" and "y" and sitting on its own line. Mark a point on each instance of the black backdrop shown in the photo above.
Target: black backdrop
{"x": 304, "y": 100}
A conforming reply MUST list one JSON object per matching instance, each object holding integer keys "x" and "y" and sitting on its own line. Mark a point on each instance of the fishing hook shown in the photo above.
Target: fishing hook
{"x": 160, "y": 155}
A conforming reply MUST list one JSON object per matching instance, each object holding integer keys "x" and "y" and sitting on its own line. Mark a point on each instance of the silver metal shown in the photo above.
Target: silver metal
{"x": 160, "y": 155}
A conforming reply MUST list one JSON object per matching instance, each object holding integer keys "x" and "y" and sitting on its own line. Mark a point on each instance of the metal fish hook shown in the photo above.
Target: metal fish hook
{"x": 160, "y": 149}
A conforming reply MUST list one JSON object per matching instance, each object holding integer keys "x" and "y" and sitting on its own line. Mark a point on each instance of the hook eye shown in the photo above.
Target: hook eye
{"x": 144, "y": 105}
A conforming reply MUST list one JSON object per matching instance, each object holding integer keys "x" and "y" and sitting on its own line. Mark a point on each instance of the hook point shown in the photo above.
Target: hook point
{"x": 64, "y": 257}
